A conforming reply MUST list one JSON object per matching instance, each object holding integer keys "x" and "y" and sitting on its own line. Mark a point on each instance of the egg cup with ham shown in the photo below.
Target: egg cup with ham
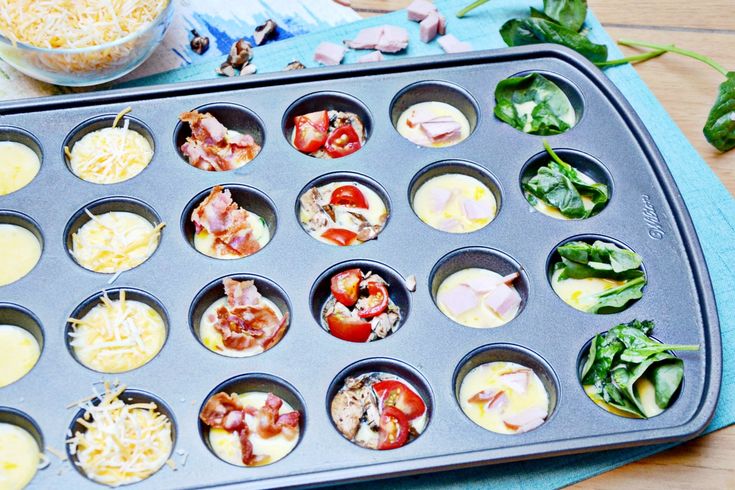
{"x": 244, "y": 323}
{"x": 342, "y": 213}
{"x": 433, "y": 124}
{"x": 379, "y": 410}
{"x": 224, "y": 230}
{"x": 250, "y": 429}
{"x": 213, "y": 147}
{"x": 479, "y": 298}
{"x": 504, "y": 397}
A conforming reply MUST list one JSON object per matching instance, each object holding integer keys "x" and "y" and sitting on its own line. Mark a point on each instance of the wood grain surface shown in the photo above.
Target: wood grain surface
{"x": 687, "y": 90}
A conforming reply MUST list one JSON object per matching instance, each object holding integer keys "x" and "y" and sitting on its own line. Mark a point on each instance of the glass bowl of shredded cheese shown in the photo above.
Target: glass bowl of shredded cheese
{"x": 81, "y": 43}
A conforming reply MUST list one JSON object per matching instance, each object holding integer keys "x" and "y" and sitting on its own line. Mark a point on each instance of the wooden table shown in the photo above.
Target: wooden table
{"x": 687, "y": 90}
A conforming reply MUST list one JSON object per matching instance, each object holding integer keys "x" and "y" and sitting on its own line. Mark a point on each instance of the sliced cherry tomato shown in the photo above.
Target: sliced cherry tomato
{"x": 393, "y": 429}
{"x": 348, "y": 195}
{"x": 349, "y": 328}
{"x": 340, "y": 236}
{"x": 343, "y": 141}
{"x": 393, "y": 393}
{"x": 376, "y": 303}
{"x": 345, "y": 286}
{"x": 311, "y": 131}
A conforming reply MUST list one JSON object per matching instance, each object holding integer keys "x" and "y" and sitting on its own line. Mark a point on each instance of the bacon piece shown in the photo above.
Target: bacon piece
{"x": 246, "y": 446}
{"x": 241, "y": 293}
{"x": 278, "y": 334}
{"x": 218, "y": 407}
{"x": 270, "y": 422}
{"x": 212, "y": 147}
{"x": 234, "y": 421}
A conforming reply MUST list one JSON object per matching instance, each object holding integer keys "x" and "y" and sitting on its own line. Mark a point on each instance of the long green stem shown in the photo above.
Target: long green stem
{"x": 674, "y": 49}
{"x": 633, "y": 59}
{"x": 553, "y": 154}
{"x": 470, "y": 7}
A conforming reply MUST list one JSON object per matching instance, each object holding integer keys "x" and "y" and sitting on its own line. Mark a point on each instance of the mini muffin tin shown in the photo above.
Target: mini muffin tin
{"x": 308, "y": 365}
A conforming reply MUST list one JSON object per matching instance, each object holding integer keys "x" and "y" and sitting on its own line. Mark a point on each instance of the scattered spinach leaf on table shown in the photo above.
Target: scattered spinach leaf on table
{"x": 569, "y": 13}
{"x": 625, "y": 354}
{"x": 559, "y": 185}
{"x": 519, "y": 32}
{"x": 534, "y": 104}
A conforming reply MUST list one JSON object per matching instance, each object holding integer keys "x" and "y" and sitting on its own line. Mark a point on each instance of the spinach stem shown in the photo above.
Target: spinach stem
{"x": 680, "y": 347}
{"x": 471, "y": 7}
{"x": 674, "y": 49}
{"x": 633, "y": 59}
{"x": 553, "y": 154}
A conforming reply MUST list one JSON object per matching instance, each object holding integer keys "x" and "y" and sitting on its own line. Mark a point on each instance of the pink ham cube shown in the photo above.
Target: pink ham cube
{"x": 503, "y": 299}
{"x": 329, "y": 53}
{"x": 442, "y": 25}
{"x": 440, "y": 198}
{"x": 393, "y": 40}
{"x": 450, "y": 44}
{"x": 366, "y": 38}
{"x": 527, "y": 419}
{"x": 371, "y": 57}
{"x": 420, "y": 115}
{"x": 420, "y": 9}
{"x": 429, "y": 27}
{"x": 483, "y": 284}
{"x": 442, "y": 128}
{"x": 516, "y": 381}
{"x": 481, "y": 209}
{"x": 458, "y": 300}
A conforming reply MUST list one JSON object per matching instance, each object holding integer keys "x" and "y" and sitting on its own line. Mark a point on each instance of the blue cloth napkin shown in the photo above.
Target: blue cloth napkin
{"x": 711, "y": 206}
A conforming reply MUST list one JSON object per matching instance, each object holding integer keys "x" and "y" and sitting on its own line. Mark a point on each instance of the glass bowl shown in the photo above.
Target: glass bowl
{"x": 93, "y": 65}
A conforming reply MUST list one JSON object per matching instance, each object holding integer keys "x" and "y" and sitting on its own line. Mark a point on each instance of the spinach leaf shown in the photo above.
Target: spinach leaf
{"x": 619, "y": 259}
{"x": 533, "y": 104}
{"x": 519, "y": 32}
{"x": 569, "y": 13}
{"x": 615, "y": 299}
{"x": 719, "y": 128}
{"x": 612, "y": 371}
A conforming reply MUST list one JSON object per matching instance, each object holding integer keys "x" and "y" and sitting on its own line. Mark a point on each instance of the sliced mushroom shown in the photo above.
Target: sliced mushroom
{"x": 199, "y": 44}
{"x": 295, "y": 65}
{"x": 225, "y": 69}
{"x": 248, "y": 69}
{"x": 240, "y": 54}
{"x": 264, "y": 32}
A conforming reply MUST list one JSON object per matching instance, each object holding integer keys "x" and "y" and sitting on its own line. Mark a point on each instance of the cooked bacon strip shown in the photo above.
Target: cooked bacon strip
{"x": 241, "y": 293}
{"x": 246, "y": 447}
{"x": 212, "y": 147}
{"x": 224, "y": 219}
{"x": 270, "y": 422}
{"x": 218, "y": 407}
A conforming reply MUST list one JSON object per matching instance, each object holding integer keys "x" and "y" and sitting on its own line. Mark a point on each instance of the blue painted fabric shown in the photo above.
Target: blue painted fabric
{"x": 711, "y": 206}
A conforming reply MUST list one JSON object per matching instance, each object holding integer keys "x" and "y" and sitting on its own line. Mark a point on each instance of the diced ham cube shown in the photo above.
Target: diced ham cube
{"x": 449, "y": 225}
{"x": 483, "y": 284}
{"x": 371, "y": 57}
{"x": 496, "y": 400}
{"x": 420, "y": 9}
{"x": 458, "y": 300}
{"x": 510, "y": 278}
{"x": 366, "y": 38}
{"x": 442, "y": 128}
{"x": 503, "y": 299}
{"x": 440, "y": 198}
{"x": 393, "y": 40}
{"x": 429, "y": 27}
{"x": 481, "y": 209}
{"x": 442, "y": 30}
{"x": 516, "y": 380}
{"x": 329, "y": 53}
{"x": 420, "y": 115}
{"x": 527, "y": 419}
{"x": 450, "y": 44}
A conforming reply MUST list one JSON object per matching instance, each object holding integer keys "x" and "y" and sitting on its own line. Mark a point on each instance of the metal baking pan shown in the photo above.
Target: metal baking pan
{"x": 646, "y": 212}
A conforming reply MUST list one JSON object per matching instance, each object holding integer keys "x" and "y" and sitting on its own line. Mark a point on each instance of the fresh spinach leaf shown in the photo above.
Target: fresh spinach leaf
{"x": 619, "y": 259}
{"x": 666, "y": 377}
{"x": 615, "y": 299}
{"x": 533, "y": 104}
{"x": 569, "y": 13}
{"x": 520, "y": 32}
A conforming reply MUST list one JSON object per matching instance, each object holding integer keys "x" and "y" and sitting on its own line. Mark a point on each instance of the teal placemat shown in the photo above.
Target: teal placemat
{"x": 711, "y": 206}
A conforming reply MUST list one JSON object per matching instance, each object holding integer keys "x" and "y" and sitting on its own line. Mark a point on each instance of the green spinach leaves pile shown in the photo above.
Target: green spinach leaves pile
{"x": 534, "y": 104}
{"x": 603, "y": 260}
{"x": 625, "y": 354}
{"x": 558, "y": 185}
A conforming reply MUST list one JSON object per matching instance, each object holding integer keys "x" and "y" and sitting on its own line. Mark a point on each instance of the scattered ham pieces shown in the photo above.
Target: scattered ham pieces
{"x": 449, "y": 225}
{"x": 418, "y": 10}
{"x": 493, "y": 400}
{"x": 387, "y": 39}
{"x": 227, "y": 222}
{"x": 442, "y": 128}
{"x": 212, "y": 147}
{"x": 367, "y": 38}
{"x": 429, "y": 27}
{"x": 371, "y": 57}
{"x": 440, "y": 198}
{"x": 483, "y": 284}
{"x": 527, "y": 419}
{"x": 450, "y": 44}
{"x": 442, "y": 30}
{"x": 329, "y": 54}
{"x": 481, "y": 209}
{"x": 516, "y": 380}
{"x": 503, "y": 299}
{"x": 459, "y": 300}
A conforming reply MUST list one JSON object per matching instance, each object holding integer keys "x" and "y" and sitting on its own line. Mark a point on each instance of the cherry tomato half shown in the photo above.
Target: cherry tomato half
{"x": 345, "y": 286}
{"x": 311, "y": 131}
{"x": 339, "y": 236}
{"x": 393, "y": 393}
{"x": 349, "y": 328}
{"x": 342, "y": 142}
{"x": 393, "y": 429}
{"x": 376, "y": 303}
{"x": 348, "y": 195}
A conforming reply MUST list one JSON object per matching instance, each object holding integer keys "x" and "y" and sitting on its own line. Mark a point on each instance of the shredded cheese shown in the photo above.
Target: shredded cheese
{"x": 121, "y": 443}
{"x": 114, "y": 241}
{"x": 110, "y": 155}
{"x": 117, "y": 336}
{"x": 54, "y": 24}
